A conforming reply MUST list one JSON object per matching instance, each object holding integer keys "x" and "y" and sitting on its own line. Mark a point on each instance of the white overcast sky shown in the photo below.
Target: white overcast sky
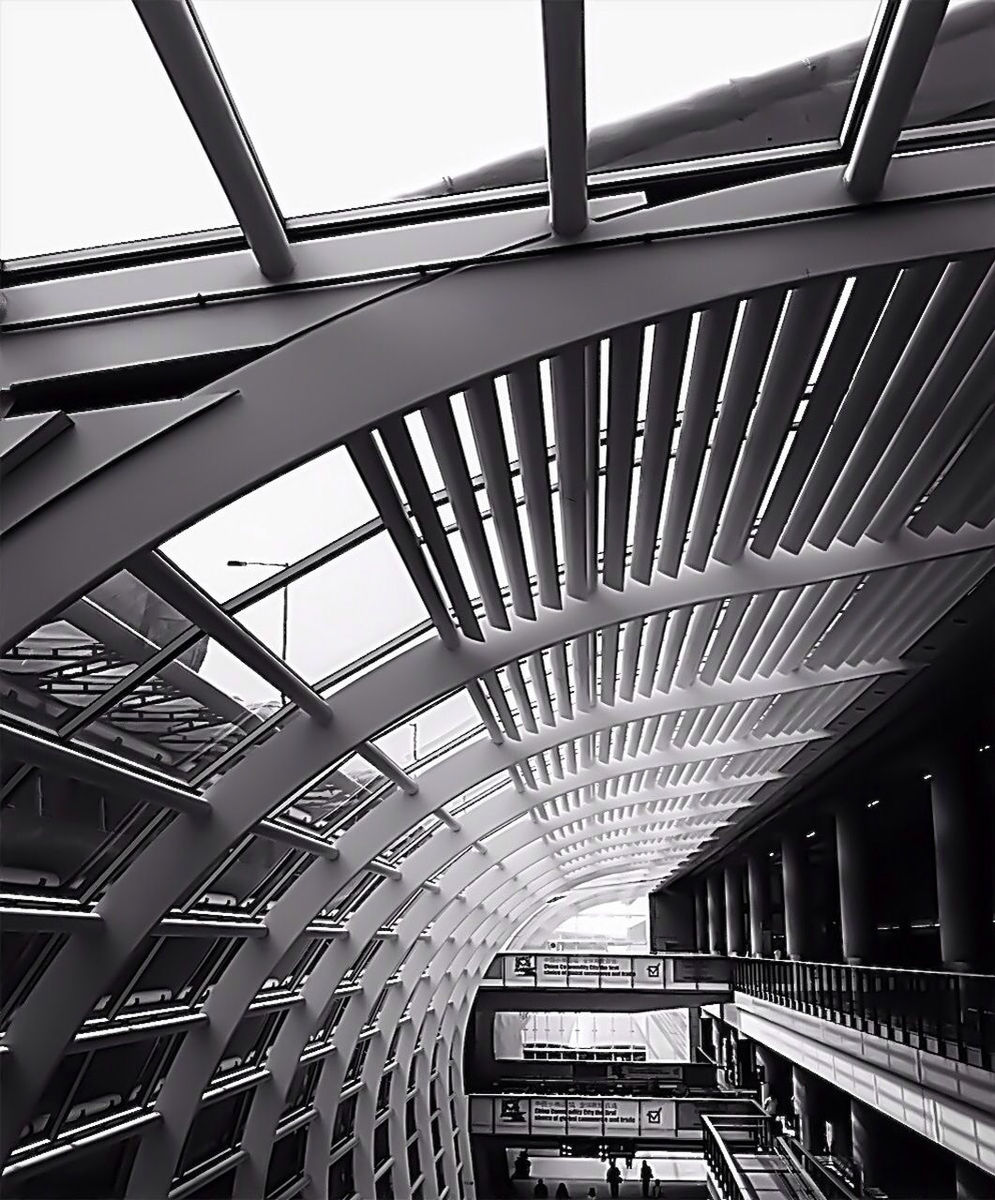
{"x": 347, "y": 103}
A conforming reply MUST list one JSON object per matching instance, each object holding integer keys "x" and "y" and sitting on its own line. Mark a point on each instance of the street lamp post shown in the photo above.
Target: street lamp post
{"x": 255, "y": 562}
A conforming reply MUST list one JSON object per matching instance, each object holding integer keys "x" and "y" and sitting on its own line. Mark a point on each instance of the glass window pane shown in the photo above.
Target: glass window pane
{"x": 337, "y": 613}
{"x": 958, "y": 83}
{"x": 94, "y": 138}
{"x": 645, "y": 55}
{"x": 281, "y": 522}
{"x": 362, "y": 101}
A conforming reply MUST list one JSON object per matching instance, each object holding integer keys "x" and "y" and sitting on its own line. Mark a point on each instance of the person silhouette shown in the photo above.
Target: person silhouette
{"x": 614, "y": 1178}
{"x": 645, "y": 1175}
{"x": 562, "y": 1192}
{"x": 540, "y": 1190}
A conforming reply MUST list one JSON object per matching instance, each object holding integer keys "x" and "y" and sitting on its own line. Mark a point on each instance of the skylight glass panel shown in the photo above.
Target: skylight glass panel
{"x": 343, "y": 610}
{"x": 280, "y": 522}
{"x": 94, "y": 144}
{"x": 958, "y": 83}
{"x": 715, "y": 77}
{"x": 352, "y": 103}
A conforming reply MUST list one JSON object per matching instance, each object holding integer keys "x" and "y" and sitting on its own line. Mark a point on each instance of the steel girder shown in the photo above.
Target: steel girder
{"x": 182, "y": 853}
{"x": 507, "y": 314}
{"x": 758, "y": 259}
{"x": 215, "y": 305}
{"x": 197, "y": 1060}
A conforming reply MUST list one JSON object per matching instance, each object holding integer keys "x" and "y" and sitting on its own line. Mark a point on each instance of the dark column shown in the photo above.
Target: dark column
{"x": 839, "y": 1115}
{"x": 700, "y": 917}
{"x": 856, "y": 917}
{"x": 734, "y": 909}
{"x": 794, "y": 866}
{"x": 869, "y": 1139}
{"x": 716, "y": 915}
{"x": 955, "y": 788}
{"x": 812, "y": 1102}
{"x": 759, "y": 902}
{"x": 777, "y": 1075}
{"x": 973, "y": 1183}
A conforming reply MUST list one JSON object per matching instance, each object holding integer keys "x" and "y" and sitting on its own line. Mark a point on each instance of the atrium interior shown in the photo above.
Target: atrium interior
{"x": 497, "y": 656}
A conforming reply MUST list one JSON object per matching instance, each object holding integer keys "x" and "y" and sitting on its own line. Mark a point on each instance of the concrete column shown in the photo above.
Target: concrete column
{"x": 868, "y": 1143}
{"x": 700, "y": 917}
{"x": 955, "y": 791}
{"x": 852, "y": 860}
{"x": 777, "y": 1076}
{"x": 794, "y": 867}
{"x": 759, "y": 902}
{"x": 973, "y": 1183}
{"x": 716, "y": 915}
{"x": 734, "y": 909}
{"x": 812, "y": 1104}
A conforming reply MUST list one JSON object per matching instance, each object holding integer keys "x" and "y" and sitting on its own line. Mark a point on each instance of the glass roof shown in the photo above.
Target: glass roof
{"x": 94, "y": 144}
{"x": 355, "y": 103}
{"x": 642, "y": 56}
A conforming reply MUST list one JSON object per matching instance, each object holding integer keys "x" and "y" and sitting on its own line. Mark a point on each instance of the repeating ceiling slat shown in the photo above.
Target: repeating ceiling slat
{"x": 666, "y": 371}
{"x": 753, "y": 343}
{"x": 937, "y": 326}
{"x": 933, "y": 447}
{"x": 905, "y": 425}
{"x": 409, "y": 471}
{"x": 750, "y": 625}
{"x": 521, "y": 694}
{"x": 444, "y": 438}
{"x": 892, "y": 333}
{"x": 796, "y": 345}
{"x": 525, "y": 395}
{"x": 567, "y": 371}
{"x": 485, "y": 422}
{"x": 863, "y": 310}
{"x": 540, "y": 685}
{"x": 592, "y": 460}
{"x": 961, "y": 495}
{"x": 624, "y": 365}
{"x": 370, "y": 465}
{"x": 677, "y": 626}
{"x": 707, "y": 367}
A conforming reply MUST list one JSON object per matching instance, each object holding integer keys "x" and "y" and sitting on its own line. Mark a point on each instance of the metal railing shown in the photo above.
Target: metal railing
{"x": 752, "y": 1133}
{"x": 945, "y": 1013}
{"x": 818, "y": 1177}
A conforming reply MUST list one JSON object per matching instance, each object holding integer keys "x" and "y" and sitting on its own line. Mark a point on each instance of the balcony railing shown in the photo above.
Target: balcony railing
{"x": 944, "y": 1013}
{"x": 726, "y": 1136}
{"x": 611, "y": 972}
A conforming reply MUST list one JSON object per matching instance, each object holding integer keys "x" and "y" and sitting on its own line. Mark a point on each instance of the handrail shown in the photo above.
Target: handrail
{"x": 811, "y": 962}
{"x": 823, "y": 1183}
{"x": 723, "y": 1166}
{"x": 948, "y": 1013}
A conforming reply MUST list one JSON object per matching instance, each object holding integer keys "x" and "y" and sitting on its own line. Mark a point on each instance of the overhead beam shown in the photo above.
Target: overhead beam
{"x": 158, "y": 574}
{"x": 388, "y": 768}
{"x": 181, "y": 45}
{"x": 905, "y": 56}
{"x": 98, "y": 768}
{"x": 566, "y": 114}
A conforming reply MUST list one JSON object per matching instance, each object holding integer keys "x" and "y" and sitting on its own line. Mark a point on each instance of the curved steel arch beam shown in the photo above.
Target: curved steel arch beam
{"x": 495, "y": 316}
{"x": 439, "y": 962}
{"x": 203, "y": 1047}
{"x": 187, "y": 848}
{"x": 298, "y": 1027}
{"x": 270, "y": 1097}
{"x": 145, "y": 890}
{"x": 471, "y": 977}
